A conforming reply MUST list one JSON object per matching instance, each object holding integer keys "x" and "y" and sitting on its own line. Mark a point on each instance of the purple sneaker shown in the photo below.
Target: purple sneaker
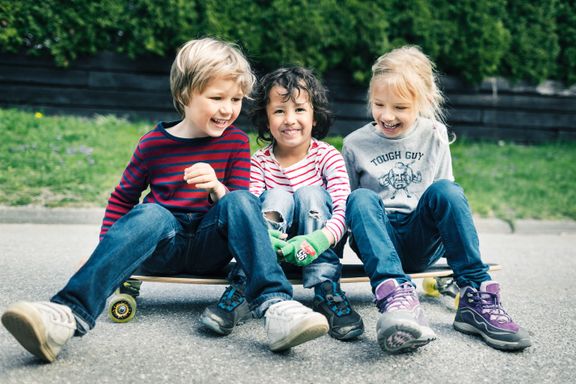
{"x": 402, "y": 326}
{"x": 480, "y": 313}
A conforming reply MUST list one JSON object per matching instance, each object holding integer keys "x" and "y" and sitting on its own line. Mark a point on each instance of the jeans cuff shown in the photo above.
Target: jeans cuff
{"x": 82, "y": 325}
{"x": 260, "y": 305}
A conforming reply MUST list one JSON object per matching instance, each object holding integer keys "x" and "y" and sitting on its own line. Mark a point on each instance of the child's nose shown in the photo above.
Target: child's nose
{"x": 226, "y": 108}
{"x": 289, "y": 118}
{"x": 386, "y": 115}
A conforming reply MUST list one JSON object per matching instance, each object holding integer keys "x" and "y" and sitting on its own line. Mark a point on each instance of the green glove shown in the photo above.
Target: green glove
{"x": 277, "y": 243}
{"x": 304, "y": 249}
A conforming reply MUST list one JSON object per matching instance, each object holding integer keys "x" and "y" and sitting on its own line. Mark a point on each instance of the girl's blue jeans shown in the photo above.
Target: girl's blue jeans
{"x": 151, "y": 239}
{"x": 303, "y": 212}
{"x": 394, "y": 244}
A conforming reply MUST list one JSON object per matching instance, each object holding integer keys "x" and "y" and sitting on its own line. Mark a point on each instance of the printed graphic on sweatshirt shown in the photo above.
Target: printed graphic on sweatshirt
{"x": 399, "y": 179}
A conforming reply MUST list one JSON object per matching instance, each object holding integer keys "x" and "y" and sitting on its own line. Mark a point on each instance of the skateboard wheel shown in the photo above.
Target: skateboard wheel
{"x": 457, "y": 300}
{"x": 122, "y": 308}
{"x": 430, "y": 288}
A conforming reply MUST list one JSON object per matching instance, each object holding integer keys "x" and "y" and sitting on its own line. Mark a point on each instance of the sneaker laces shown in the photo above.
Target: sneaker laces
{"x": 490, "y": 304}
{"x": 403, "y": 297}
{"x": 337, "y": 301}
{"x": 230, "y": 299}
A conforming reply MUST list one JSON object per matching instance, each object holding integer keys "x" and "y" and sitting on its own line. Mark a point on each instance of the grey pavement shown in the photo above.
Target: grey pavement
{"x": 165, "y": 342}
{"x": 42, "y": 215}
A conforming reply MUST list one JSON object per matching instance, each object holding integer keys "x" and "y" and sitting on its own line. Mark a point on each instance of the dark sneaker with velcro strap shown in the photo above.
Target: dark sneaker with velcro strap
{"x": 480, "y": 312}
{"x": 232, "y": 309}
{"x": 345, "y": 323}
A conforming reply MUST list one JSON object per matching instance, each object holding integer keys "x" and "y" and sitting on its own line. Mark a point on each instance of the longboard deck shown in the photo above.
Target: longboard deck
{"x": 351, "y": 273}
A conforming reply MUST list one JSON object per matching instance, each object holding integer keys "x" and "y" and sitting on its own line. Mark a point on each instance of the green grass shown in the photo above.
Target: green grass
{"x": 70, "y": 161}
{"x": 516, "y": 181}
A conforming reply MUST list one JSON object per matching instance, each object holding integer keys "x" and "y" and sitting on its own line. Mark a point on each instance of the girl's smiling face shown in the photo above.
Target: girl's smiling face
{"x": 394, "y": 114}
{"x": 290, "y": 119}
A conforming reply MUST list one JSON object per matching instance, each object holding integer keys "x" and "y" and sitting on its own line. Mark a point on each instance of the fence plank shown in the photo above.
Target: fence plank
{"x": 139, "y": 89}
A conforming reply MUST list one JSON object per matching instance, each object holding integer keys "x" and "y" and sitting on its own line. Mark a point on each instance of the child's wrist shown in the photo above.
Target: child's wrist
{"x": 219, "y": 191}
{"x": 329, "y": 236}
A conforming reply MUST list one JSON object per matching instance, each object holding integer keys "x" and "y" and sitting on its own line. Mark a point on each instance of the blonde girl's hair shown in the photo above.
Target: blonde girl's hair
{"x": 202, "y": 60}
{"x": 411, "y": 75}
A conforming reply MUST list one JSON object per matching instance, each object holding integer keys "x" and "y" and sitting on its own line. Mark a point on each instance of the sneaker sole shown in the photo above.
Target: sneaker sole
{"x": 215, "y": 326}
{"x": 351, "y": 334}
{"x": 29, "y": 331}
{"x": 494, "y": 343}
{"x": 404, "y": 337}
{"x": 309, "y": 330}
{"x": 212, "y": 322}
{"x": 401, "y": 339}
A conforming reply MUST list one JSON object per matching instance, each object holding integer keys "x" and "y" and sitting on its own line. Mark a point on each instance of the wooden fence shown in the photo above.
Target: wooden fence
{"x": 139, "y": 89}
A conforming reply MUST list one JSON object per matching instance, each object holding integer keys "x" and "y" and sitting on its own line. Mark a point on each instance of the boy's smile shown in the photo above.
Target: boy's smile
{"x": 211, "y": 111}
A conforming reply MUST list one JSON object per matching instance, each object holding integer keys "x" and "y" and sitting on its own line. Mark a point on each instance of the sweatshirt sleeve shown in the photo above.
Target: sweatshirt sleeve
{"x": 444, "y": 165}
{"x": 128, "y": 191}
{"x": 338, "y": 186}
{"x": 348, "y": 156}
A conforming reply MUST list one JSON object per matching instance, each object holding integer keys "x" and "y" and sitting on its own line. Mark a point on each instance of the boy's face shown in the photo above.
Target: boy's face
{"x": 393, "y": 114}
{"x": 290, "y": 121}
{"x": 214, "y": 109}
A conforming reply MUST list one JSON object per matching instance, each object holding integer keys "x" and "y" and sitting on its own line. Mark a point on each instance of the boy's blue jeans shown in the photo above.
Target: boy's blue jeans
{"x": 300, "y": 213}
{"x": 392, "y": 245}
{"x": 152, "y": 239}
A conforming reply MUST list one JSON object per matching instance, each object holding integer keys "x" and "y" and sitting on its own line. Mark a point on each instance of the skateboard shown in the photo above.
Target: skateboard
{"x": 438, "y": 281}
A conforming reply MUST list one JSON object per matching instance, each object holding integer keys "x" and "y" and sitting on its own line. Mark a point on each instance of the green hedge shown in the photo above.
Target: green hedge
{"x": 470, "y": 39}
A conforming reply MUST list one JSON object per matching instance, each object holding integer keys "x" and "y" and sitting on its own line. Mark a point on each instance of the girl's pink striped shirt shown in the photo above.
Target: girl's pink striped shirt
{"x": 323, "y": 166}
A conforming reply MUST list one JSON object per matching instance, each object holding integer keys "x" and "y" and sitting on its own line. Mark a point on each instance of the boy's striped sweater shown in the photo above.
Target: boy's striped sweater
{"x": 159, "y": 161}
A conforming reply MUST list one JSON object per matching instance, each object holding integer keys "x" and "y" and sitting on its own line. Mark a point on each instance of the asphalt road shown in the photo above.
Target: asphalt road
{"x": 165, "y": 342}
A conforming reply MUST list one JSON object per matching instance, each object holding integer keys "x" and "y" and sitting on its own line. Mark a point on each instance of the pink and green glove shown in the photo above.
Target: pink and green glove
{"x": 304, "y": 249}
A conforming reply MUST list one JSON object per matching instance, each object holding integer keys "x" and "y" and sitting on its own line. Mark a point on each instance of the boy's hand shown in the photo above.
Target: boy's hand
{"x": 304, "y": 249}
{"x": 203, "y": 176}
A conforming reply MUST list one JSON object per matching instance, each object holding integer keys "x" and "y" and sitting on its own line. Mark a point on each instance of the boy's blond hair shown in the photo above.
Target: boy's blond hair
{"x": 411, "y": 75}
{"x": 202, "y": 60}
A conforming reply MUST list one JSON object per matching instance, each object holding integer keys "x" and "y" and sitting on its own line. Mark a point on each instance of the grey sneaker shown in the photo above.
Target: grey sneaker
{"x": 232, "y": 309}
{"x": 42, "y": 327}
{"x": 402, "y": 326}
{"x": 480, "y": 312}
{"x": 289, "y": 323}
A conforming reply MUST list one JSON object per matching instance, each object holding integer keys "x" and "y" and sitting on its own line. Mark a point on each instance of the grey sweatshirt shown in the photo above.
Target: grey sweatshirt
{"x": 398, "y": 169}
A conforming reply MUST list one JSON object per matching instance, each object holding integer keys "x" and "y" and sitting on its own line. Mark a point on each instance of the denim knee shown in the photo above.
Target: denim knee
{"x": 278, "y": 209}
{"x": 143, "y": 214}
{"x": 312, "y": 195}
{"x": 362, "y": 200}
{"x": 240, "y": 200}
{"x": 445, "y": 192}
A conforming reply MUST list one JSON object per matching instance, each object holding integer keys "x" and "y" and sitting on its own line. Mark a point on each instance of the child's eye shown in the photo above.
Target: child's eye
{"x": 278, "y": 112}
{"x": 216, "y": 98}
{"x": 236, "y": 99}
{"x": 302, "y": 109}
{"x": 401, "y": 108}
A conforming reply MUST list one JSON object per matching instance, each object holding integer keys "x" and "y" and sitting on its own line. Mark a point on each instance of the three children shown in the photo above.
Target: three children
{"x": 405, "y": 211}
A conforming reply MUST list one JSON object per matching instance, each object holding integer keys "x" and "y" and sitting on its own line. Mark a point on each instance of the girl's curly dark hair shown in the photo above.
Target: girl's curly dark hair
{"x": 294, "y": 80}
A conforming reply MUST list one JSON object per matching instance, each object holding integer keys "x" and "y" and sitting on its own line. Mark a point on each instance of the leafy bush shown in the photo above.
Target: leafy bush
{"x": 534, "y": 47}
{"x": 566, "y": 30}
{"x": 471, "y": 39}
